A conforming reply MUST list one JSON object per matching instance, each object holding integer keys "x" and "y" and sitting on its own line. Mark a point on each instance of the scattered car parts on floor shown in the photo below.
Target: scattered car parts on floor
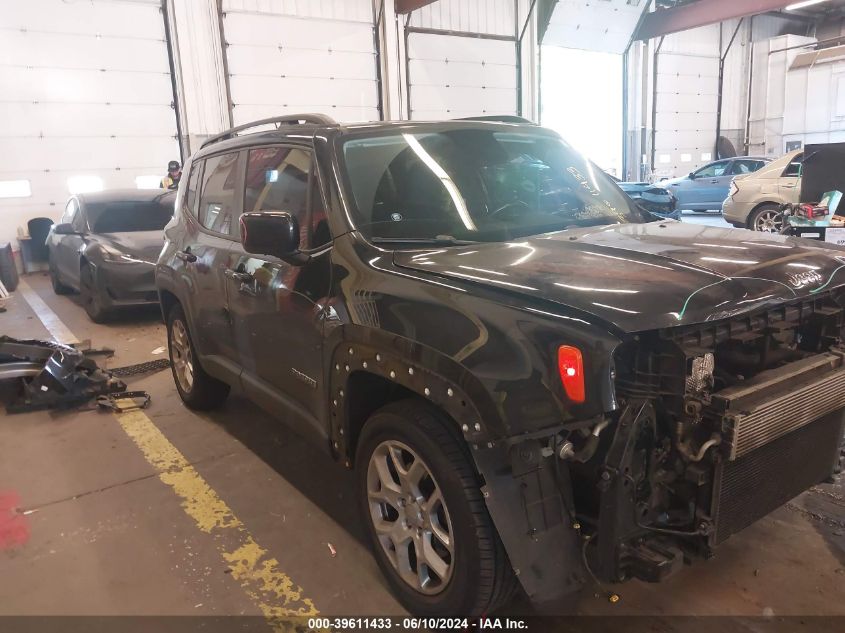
{"x": 52, "y": 375}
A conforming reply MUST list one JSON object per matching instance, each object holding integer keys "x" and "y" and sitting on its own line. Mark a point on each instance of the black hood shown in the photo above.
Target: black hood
{"x": 142, "y": 245}
{"x": 645, "y": 276}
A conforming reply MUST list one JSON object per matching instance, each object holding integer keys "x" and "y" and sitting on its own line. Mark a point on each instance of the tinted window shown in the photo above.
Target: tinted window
{"x": 218, "y": 210}
{"x": 70, "y": 210}
{"x": 794, "y": 168}
{"x": 740, "y": 167}
{"x": 478, "y": 184}
{"x": 130, "y": 215}
{"x": 713, "y": 170}
{"x": 277, "y": 180}
{"x": 191, "y": 200}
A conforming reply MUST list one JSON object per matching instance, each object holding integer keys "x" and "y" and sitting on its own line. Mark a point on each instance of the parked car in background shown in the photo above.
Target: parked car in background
{"x": 706, "y": 188}
{"x": 654, "y": 198}
{"x": 754, "y": 200}
{"x": 535, "y": 381}
{"x": 105, "y": 246}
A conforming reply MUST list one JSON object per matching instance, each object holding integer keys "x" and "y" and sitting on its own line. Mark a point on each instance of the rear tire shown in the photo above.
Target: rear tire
{"x": 90, "y": 295}
{"x": 766, "y": 218}
{"x": 403, "y": 517}
{"x": 197, "y": 389}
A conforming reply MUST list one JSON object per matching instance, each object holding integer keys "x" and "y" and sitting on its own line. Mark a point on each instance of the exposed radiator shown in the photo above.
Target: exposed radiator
{"x": 780, "y": 401}
{"x": 762, "y": 480}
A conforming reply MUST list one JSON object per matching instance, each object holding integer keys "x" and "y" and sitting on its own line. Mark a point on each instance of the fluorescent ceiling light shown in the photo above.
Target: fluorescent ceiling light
{"x": 147, "y": 182}
{"x": 15, "y": 189}
{"x": 805, "y": 3}
{"x": 84, "y": 184}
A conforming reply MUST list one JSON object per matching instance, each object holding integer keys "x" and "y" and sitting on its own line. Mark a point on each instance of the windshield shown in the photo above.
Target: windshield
{"x": 477, "y": 185}
{"x": 130, "y": 216}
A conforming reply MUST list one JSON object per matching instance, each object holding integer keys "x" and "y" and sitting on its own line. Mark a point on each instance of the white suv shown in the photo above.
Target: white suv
{"x": 754, "y": 200}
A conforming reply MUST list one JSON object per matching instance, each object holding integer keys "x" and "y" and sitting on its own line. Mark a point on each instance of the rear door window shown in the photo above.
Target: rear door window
{"x": 219, "y": 207}
{"x": 741, "y": 167}
{"x": 794, "y": 168}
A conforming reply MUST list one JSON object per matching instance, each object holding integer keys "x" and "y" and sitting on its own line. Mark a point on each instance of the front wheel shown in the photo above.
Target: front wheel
{"x": 197, "y": 389}
{"x": 90, "y": 295}
{"x": 421, "y": 502}
{"x": 767, "y": 219}
{"x": 58, "y": 287}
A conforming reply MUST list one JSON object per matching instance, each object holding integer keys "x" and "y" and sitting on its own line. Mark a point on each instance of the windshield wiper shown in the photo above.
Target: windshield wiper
{"x": 440, "y": 240}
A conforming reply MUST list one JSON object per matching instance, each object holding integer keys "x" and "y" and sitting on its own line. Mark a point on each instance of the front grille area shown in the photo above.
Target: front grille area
{"x": 763, "y": 479}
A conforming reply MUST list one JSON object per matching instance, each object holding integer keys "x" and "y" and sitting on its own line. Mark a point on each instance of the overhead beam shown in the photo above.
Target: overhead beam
{"x": 689, "y": 16}
{"x": 406, "y": 6}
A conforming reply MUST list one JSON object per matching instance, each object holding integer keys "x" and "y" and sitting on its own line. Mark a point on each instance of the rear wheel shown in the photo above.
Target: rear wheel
{"x": 197, "y": 389}
{"x": 421, "y": 502}
{"x": 767, "y": 219}
{"x": 90, "y": 295}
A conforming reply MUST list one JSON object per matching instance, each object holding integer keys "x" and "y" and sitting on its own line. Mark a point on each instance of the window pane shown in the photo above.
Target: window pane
{"x": 481, "y": 185}
{"x": 218, "y": 211}
{"x": 320, "y": 233}
{"x": 124, "y": 216}
{"x": 277, "y": 180}
{"x": 191, "y": 201}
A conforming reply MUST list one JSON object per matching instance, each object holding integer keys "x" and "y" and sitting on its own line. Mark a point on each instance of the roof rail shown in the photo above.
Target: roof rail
{"x": 500, "y": 118}
{"x": 278, "y": 121}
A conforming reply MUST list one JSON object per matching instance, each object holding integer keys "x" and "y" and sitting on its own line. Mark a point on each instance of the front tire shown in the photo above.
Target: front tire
{"x": 197, "y": 389}
{"x": 421, "y": 502}
{"x": 767, "y": 219}
{"x": 90, "y": 295}
{"x": 58, "y": 287}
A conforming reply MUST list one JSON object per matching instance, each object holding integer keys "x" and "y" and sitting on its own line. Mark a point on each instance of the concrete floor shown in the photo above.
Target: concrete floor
{"x": 79, "y": 501}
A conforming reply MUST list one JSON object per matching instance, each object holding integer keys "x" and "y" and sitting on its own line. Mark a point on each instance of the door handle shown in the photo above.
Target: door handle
{"x": 238, "y": 276}
{"x": 714, "y": 182}
{"x": 186, "y": 256}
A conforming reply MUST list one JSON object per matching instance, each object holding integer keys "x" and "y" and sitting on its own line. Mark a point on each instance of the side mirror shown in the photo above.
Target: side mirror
{"x": 64, "y": 228}
{"x": 692, "y": 175}
{"x": 274, "y": 233}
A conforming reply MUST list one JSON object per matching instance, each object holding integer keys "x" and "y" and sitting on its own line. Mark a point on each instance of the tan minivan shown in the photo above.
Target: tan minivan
{"x": 754, "y": 200}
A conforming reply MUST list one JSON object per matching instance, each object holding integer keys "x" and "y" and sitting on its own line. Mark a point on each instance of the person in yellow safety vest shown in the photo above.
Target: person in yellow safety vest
{"x": 174, "y": 174}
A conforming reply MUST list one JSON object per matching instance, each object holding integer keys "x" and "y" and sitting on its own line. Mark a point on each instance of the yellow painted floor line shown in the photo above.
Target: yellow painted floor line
{"x": 258, "y": 573}
{"x": 271, "y": 589}
{"x": 58, "y": 330}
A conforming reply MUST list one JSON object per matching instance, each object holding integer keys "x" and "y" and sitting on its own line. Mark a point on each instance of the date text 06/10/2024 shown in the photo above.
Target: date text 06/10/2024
{"x": 415, "y": 624}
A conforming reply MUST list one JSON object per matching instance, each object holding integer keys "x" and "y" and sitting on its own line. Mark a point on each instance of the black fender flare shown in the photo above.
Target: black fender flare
{"x": 523, "y": 488}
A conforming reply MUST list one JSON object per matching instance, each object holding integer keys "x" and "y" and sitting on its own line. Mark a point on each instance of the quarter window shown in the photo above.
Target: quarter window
{"x": 70, "y": 210}
{"x": 191, "y": 200}
{"x": 218, "y": 210}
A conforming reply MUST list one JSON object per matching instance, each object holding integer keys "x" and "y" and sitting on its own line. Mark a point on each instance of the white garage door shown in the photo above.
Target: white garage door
{"x": 85, "y": 101}
{"x": 320, "y": 60}
{"x": 451, "y": 76}
{"x": 687, "y": 94}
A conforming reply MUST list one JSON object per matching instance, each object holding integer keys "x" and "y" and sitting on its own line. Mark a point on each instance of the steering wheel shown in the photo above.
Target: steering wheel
{"x": 509, "y": 205}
